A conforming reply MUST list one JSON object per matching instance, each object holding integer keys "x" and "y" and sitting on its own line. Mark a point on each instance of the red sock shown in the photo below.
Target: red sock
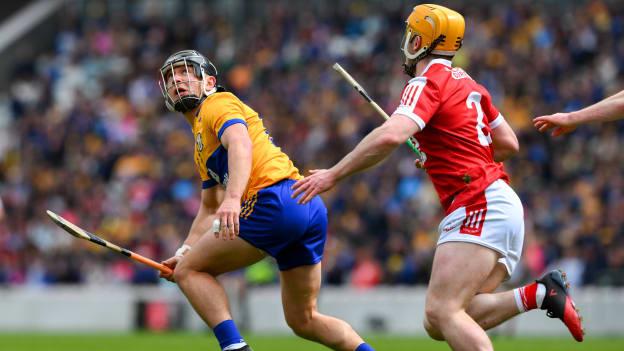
{"x": 526, "y": 296}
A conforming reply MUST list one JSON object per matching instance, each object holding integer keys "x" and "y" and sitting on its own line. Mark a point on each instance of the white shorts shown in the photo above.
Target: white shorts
{"x": 497, "y": 223}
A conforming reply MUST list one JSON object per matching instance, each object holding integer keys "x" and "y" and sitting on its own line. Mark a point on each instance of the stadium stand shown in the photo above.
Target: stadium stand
{"x": 86, "y": 134}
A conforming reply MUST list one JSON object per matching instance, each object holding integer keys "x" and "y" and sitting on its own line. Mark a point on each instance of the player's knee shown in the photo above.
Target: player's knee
{"x": 437, "y": 312}
{"x": 301, "y": 324}
{"x": 181, "y": 273}
{"x": 433, "y": 332}
{"x": 302, "y": 329}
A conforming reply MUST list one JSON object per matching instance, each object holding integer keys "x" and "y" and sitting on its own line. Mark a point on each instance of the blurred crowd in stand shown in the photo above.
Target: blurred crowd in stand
{"x": 84, "y": 132}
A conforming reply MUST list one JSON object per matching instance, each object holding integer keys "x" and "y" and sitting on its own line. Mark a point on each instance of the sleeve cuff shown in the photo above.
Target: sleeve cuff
{"x": 407, "y": 112}
{"x": 229, "y": 123}
{"x": 206, "y": 184}
{"x": 497, "y": 121}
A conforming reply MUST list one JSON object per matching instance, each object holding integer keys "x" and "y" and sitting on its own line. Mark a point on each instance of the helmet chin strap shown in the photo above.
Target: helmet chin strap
{"x": 187, "y": 103}
{"x": 208, "y": 92}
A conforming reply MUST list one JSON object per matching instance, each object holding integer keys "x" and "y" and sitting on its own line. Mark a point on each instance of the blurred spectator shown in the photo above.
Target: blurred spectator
{"x": 367, "y": 272}
{"x": 1, "y": 211}
{"x": 87, "y": 136}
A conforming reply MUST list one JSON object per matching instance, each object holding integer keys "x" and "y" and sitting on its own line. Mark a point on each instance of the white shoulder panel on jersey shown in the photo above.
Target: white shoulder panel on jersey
{"x": 409, "y": 99}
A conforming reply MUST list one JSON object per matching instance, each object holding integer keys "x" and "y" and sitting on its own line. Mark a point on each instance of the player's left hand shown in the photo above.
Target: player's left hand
{"x": 318, "y": 182}
{"x": 228, "y": 215}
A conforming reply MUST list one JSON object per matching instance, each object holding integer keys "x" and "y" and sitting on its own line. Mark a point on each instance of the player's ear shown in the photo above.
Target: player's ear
{"x": 416, "y": 43}
{"x": 210, "y": 82}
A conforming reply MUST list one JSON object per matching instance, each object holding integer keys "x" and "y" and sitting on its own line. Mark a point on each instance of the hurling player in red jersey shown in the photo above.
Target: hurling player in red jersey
{"x": 464, "y": 139}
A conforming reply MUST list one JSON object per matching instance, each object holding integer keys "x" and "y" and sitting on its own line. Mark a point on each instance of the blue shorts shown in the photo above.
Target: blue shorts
{"x": 293, "y": 234}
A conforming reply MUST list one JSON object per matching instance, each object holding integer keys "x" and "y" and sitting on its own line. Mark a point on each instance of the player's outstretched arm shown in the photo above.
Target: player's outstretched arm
{"x": 609, "y": 109}
{"x": 375, "y": 147}
{"x": 504, "y": 142}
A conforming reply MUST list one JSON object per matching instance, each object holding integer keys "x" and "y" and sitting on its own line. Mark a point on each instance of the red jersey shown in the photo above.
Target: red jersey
{"x": 455, "y": 115}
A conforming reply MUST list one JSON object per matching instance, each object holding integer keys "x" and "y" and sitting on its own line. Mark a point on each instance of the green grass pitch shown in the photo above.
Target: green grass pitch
{"x": 203, "y": 342}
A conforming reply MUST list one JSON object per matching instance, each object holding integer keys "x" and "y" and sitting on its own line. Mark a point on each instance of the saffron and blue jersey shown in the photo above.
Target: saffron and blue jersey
{"x": 270, "y": 218}
{"x": 269, "y": 164}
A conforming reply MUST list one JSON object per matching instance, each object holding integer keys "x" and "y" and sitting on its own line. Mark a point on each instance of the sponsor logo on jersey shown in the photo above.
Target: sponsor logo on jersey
{"x": 452, "y": 225}
{"x": 458, "y": 73}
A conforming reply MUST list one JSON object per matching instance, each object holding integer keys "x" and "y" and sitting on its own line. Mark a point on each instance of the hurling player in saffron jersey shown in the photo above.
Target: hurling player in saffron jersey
{"x": 464, "y": 138}
{"x": 256, "y": 216}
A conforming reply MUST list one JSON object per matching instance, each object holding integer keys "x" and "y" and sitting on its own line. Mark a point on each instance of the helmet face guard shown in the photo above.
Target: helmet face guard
{"x": 410, "y": 68}
{"x": 408, "y": 37}
{"x": 201, "y": 69}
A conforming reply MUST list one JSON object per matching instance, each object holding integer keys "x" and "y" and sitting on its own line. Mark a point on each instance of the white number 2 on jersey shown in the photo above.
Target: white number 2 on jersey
{"x": 475, "y": 99}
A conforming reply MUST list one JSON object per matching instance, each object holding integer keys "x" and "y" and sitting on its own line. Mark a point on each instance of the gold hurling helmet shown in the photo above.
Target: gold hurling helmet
{"x": 441, "y": 30}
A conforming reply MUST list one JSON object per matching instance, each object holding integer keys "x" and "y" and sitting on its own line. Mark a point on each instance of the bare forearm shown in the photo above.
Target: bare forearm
{"x": 618, "y": 95}
{"x": 504, "y": 142}
{"x": 201, "y": 225}
{"x": 503, "y": 155}
{"x": 371, "y": 150}
{"x": 239, "y": 168}
{"x": 609, "y": 109}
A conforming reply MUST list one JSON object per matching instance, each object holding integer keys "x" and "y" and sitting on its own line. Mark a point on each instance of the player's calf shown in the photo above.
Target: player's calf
{"x": 329, "y": 331}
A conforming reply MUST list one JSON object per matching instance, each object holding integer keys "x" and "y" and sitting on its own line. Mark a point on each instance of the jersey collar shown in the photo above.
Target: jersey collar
{"x": 435, "y": 61}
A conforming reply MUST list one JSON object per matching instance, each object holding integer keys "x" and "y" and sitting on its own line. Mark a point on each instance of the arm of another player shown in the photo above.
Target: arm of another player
{"x": 239, "y": 147}
{"x": 202, "y": 223}
{"x": 609, "y": 109}
{"x": 375, "y": 147}
{"x": 504, "y": 141}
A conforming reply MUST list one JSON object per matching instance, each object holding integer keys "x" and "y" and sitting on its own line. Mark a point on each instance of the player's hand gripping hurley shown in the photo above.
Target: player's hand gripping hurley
{"x": 83, "y": 234}
{"x": 411, "y": 141}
